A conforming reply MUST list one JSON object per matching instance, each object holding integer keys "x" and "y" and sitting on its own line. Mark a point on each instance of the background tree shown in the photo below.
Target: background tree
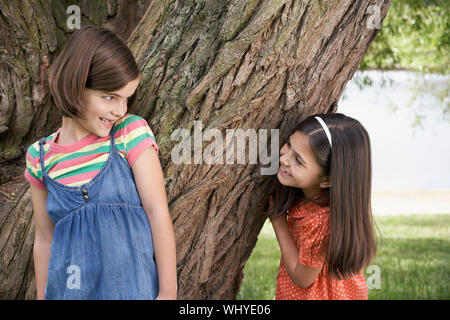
{"x": 414, "y": 38}
{"x": 231, "y": 64}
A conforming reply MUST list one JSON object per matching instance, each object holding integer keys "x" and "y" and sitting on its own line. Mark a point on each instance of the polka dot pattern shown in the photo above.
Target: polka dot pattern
{"x": 308, "y": 224}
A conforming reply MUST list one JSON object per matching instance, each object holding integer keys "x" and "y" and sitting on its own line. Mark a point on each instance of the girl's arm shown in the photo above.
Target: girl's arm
{"x": 150, "y": 184}
{"x": 300, "y": 274}
{"x": 42, "y": 238}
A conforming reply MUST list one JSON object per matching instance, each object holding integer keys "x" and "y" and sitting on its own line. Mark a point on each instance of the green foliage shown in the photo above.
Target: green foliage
{"x": 414, "y": 36}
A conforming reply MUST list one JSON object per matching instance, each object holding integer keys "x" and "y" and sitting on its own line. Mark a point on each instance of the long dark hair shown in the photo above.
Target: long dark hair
{"x": 352, "y": 238}
{"x": 94, "y": 58}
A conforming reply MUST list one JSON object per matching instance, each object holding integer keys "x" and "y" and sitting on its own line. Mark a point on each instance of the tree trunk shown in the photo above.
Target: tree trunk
{"x": 261, "y": 64}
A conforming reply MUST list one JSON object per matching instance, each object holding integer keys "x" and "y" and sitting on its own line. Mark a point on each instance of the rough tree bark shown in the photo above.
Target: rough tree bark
{"x": 230, "y": 64}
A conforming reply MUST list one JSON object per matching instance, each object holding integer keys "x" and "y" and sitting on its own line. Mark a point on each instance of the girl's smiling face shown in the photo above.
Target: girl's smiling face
{"x": 299, "y": 168}
{"x": 103, "y": 109}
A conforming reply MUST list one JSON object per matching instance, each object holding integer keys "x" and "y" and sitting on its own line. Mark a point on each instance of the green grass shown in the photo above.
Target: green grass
{"x": 413, "y": 258}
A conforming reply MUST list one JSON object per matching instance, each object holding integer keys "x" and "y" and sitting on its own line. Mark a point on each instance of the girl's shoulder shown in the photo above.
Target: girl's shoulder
{"x": 132, "y": 135}
{"x": 129, "y": 121}
{"x": 312, "y": 209}
{"x": 33, "y": 149}
{"x": 132, "y": 126}
{"x": 33, "y": 171}
{"x": 309, "y": 218}
{"x": 128, "y": 117}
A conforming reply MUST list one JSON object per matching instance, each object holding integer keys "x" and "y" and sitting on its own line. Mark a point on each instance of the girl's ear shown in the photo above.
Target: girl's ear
{"x": 325, "y": 182}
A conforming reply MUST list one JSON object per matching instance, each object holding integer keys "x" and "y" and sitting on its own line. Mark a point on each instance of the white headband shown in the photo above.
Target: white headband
{"x": 325, "y": 128}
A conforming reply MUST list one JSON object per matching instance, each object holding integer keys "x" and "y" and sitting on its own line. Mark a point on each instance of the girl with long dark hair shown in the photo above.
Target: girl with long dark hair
{"x": 321, "y": 210}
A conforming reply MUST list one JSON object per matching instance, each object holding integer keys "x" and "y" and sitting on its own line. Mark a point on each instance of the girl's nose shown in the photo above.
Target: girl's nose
{"x": 121, "y": 109}
{"x": 284, "y": 161}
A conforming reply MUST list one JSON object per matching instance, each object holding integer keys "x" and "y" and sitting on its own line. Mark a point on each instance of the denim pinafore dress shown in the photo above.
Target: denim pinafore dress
{"x": 102, "y": 245}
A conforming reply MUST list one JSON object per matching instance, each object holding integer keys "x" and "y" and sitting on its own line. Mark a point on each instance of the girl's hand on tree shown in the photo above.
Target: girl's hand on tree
{"x": 277, "y": 220}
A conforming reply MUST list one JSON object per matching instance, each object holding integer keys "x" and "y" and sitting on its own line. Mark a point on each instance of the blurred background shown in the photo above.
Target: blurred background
{"x": 409, "y": 131}
{"x": 401, "y": 95}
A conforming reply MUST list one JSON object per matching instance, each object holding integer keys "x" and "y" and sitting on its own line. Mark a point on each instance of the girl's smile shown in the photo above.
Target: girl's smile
{"x": 107, "y": 122}
{"x": 283, "y": 172}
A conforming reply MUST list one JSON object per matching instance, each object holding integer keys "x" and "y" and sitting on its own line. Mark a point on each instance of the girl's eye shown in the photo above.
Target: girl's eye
{"x": 298, "y": 161}
{"x": 108, "y": 98}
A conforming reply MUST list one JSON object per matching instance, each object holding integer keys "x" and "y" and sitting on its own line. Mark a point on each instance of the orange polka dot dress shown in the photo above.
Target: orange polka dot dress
{"x": 308, "y": 224}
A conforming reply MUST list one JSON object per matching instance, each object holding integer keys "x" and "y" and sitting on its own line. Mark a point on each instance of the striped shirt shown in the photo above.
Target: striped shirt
{"x": 77, "y": 163}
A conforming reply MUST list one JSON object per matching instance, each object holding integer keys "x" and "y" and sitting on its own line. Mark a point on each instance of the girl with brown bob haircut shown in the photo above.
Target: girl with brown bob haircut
{"x": 324, "y": 186}
{"x": 103, "y": 228}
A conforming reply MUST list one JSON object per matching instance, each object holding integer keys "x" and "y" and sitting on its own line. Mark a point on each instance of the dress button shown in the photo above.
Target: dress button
{"x": 86, "y": 197}
{"x": 84, "y": 191}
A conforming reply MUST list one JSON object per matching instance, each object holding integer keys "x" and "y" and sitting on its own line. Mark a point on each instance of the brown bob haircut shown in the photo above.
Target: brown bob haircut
{"x": 352, "y": 238}
{"x": 93, "y": 58}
